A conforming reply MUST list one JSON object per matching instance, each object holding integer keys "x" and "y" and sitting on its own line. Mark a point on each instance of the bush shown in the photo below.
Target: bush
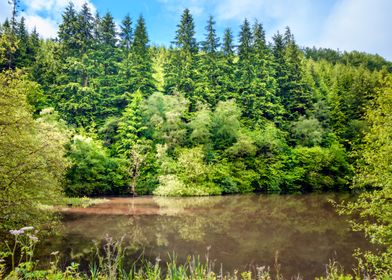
{"x": 93, "y": 171}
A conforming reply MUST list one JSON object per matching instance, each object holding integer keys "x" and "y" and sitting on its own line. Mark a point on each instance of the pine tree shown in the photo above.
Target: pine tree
{"x": 140, "y": 61}
{"x": 140, "y": 41}
{"x": 293, "y": 92}
{"x": 67, "y": 31}
{"x": 180, "y": 71}
{"x": 245, "y": 44}
{"x": 14, "y": 14}
{"x": 126, "y": 33}
{"x": 21, "y": 56}
{"x": 208, "y": 76}
{"x": 228, "y": 47}
{"x": 185, "y": 34}
{"x": 130, "y": 128}
{"x": 105, "y": 56}
{"x": 259, "y": 42}
{"x": 211, "y": 44}
{"x": 84, "y": 32}
{"x": 107, "y": 31}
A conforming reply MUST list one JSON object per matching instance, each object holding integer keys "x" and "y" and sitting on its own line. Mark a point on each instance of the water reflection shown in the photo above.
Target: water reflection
{"x": 242, "y": 230}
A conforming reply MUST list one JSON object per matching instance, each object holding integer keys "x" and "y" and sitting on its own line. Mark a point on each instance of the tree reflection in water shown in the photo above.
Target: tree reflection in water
{"x": 242, "y": 230}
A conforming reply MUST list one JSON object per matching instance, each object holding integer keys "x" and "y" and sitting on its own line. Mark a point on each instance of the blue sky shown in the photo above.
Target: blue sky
{"x": 340, "y": 24}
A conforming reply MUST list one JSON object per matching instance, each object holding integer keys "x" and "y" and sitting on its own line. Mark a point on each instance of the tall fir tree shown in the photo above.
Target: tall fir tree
{"x": 185, "y": 34}
{"x": 228, "y": 43}
{"x": 141, "y": 61}
{"x": 245, "y": 41}
{"x": 209, "y": 74}
{"x": 67, "y": 31}
{"x": 126, "y": 33}
{"x": 211, "y": 43}
{"x": 180, "y": 70}
{"x": 130, "y": 127}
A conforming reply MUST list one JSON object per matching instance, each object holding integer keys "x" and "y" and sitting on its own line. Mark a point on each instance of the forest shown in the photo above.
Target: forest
{"x": 101, "y": 110}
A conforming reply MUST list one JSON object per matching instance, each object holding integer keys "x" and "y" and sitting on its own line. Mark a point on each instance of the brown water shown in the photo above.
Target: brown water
{"x": 241, "y": 231}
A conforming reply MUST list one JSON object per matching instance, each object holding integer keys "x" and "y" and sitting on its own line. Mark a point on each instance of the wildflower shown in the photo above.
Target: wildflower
{"x": 157, "y": 259}
{"x": 16, "y": 232}
{"x": 27, "y": 228}
{"x": 33, "y": 238}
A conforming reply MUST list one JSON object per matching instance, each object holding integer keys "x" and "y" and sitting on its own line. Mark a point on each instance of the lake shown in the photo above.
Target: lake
{"x": 239, "y": 231}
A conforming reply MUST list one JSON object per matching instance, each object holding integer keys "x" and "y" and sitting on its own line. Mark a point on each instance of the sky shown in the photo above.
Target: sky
{"x": 363, "y": 25}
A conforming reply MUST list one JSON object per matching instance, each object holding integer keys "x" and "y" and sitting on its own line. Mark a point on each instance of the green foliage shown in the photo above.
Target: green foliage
{"x": 188, "y": 175}
{"x": 308, "y": 132}
{"x": 316, "y": 169}
{"x": 374, "y": 208}
{"x": 225, "y": 124}
{"x": 130, "y": 126}
{"x": 31, "y": 154}
{"x": 93, "y": 171}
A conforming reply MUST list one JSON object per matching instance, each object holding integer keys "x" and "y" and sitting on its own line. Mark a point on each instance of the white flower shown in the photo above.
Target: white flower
{"x": 16, "y": 232}
{"x": 27, "y": 228}
{"x": 33, "y": 238}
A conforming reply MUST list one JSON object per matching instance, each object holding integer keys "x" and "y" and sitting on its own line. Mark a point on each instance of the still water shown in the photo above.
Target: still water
{"x": 239, "y": 232}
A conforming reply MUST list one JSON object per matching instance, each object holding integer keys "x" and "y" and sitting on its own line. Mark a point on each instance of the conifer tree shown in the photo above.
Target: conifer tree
{"x": 67, "y": 31}
{"x": 130, "y": 128}
{"x": 84, "y": 29}
{"x": 245, "y": 41}
{"x": 228, "y": 47}
{"x": 185, "y": 34}
{"x": 180, "y": 71}
{"x": 126, "y": 33}
{"x": 292, "y": 91}
{"x": 141, "y": 61}
{"x": 259, "y": 42}
{"x": 106, "y": 56}
{"x": 211, "y": 44}
{"x": 209, "y": 74}
{"x": 107, "y": 31}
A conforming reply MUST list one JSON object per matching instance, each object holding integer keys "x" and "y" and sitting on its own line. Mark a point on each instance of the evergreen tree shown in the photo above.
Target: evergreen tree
{"x": 107, "y": 31}
{"x": 245, "y": 41}
{"x": 67, "y": 31}
{"x": 185, "y": 34}
{"x": 126, "y": 33}
{"x": 259, "y": 42}
{"x": 180, "y": 71}
{"x": 14, "y": 14}
{"x": 211, "y": 43}
{"x": 106, "y": 56}
{"x": 130, "y": 127}
{"x": 228, "y": 47}
{"x": 209, "y": 84}
{"x": 84, "y": 29}
{"x": 141, "y": 61}
{"x": 140, "y": 42}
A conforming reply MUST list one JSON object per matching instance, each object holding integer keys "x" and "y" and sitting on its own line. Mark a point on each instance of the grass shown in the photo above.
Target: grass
{"x": 82, "y": 202}
{"x": 108, "y": 263}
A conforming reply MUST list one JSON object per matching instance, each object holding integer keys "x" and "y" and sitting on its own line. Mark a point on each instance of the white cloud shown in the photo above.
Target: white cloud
{"x": 5, "y": 10}
{"x": 197, "y": 7}
{"x": 44, "y": 15}
{"x": 302, "y": 16}
{"x": 47, "y": 28}
{"x": 363, "y": 25}
{"x": 54, "y": 6}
